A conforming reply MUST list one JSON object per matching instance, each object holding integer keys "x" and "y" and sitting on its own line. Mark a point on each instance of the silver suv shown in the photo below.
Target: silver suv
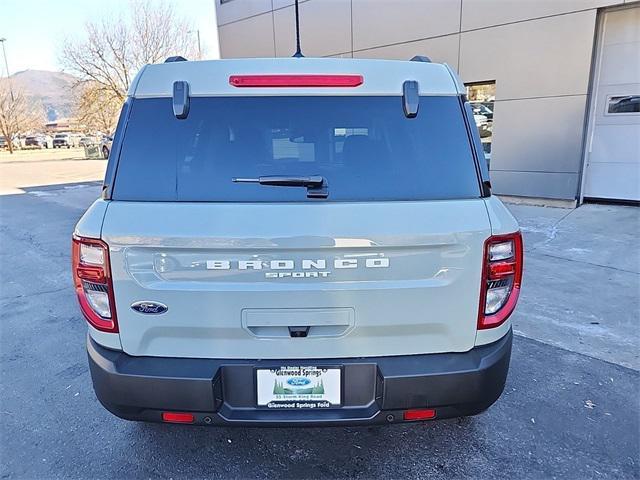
{"x": 297, "y": 242}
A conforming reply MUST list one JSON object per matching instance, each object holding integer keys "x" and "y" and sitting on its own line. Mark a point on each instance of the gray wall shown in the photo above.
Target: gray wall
{"x": 538, "y": 52}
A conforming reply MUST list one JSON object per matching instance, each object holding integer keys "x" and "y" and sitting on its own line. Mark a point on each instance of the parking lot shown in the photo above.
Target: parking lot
{"x": 570, "y": 407}
{"x": 40, "y": 168}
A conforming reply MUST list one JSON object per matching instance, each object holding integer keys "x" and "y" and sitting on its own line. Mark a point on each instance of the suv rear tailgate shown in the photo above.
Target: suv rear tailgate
{"x": 396, "y": 280}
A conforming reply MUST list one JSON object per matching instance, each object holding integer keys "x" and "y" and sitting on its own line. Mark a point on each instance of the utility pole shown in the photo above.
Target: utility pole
{"x": 198, "y": 36}
{"x": 6, "y": 65}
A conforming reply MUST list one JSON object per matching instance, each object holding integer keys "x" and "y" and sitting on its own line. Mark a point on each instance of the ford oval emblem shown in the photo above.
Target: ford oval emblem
{"x": 298, "y": 381}
{"x": 149, "y": 308}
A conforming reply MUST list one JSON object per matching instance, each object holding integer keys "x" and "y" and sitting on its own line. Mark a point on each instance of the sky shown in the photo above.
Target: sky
{"x": 35, "y": 29}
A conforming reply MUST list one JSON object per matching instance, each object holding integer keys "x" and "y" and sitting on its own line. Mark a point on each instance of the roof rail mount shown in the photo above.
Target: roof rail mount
{"x": 410, "y": 98}
{"x": 181, "y": 99}
{"x": 421, "y": 58}
{"x": 176, "y": 58}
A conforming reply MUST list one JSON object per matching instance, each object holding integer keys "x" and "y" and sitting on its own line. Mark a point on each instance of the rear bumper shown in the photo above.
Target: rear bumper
{"x": 376, "y": 389}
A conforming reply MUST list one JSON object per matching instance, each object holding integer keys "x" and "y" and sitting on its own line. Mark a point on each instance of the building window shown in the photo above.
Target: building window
{"x": 482, "y": 96}
{"x": 623, "y": 104}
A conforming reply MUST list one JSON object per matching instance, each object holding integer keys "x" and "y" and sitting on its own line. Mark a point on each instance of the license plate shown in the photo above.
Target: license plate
{"x": 299, "y": 387}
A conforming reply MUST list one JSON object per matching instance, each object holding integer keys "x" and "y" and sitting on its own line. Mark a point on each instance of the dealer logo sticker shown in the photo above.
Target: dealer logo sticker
{"x": 298, "y": 381}
{"x": 149, "y": 308}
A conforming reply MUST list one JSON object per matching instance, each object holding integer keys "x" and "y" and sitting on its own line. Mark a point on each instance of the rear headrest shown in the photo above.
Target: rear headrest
{"x": 358, "y": 146}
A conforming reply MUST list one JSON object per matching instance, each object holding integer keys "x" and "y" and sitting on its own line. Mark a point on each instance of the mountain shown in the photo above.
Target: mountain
{"x": 52, "y": 89}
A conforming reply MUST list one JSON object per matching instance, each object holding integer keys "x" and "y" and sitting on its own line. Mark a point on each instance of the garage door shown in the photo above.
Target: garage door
{"x": 613, "y": 146}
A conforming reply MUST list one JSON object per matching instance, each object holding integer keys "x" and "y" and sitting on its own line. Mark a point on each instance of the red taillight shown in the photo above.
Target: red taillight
{"x": 177, "y": 417}
{"x": 501, "y": 279}
{"x": 296, "y": 80}
{"x": 499, "y": 270}
{"x": 91, "y": 274}
{"x": 92, "y": 281}
{"x": 420, "y": 414}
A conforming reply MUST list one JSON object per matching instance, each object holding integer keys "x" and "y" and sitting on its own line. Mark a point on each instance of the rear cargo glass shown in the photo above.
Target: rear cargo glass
{"x": 364, "y": 147}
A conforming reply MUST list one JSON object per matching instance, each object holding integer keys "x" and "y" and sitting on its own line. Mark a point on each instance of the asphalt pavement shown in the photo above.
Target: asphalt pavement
{"x": 570, "y": 407}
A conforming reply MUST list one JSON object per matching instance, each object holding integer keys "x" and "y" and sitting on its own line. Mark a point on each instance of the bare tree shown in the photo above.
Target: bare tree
{"x": 114, "y": 49}
{"x": 97, "y": 107}
{"x": 17, "y": 114}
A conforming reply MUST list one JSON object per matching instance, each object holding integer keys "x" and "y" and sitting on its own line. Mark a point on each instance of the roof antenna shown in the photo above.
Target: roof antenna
{"x": 298, "y": 53}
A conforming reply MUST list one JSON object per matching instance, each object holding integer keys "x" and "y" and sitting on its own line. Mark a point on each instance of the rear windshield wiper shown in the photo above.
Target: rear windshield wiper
{"x": 316, "y": 184}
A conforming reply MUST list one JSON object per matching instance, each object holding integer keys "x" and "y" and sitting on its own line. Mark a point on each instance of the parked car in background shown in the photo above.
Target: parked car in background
{"x": 485, "y": 127}
{"x": 483, "y": 108}
{"x": 67, "y": 140}
{"x": 4, "y": 144}
{"x": 37, "y": 141}
{"x": 61, "y": 140}
{"x": 86, "y": 141}
{"x": 105, "y": 146}
{"x": 486, "y": 147}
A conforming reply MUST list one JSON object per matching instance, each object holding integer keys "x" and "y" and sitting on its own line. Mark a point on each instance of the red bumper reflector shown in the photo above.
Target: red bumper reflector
{"x": 420, "y": 414}
{"x": 296, "y": 80}
{"x": 177, "y": 417}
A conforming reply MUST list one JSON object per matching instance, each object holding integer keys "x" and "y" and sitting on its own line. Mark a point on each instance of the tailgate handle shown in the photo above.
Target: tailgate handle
{"x": 298, "y": 322}
{"x": 298, "y": 332}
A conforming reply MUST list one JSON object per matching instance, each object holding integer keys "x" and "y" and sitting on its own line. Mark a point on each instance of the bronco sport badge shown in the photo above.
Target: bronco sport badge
{"x": 316, "y": 268}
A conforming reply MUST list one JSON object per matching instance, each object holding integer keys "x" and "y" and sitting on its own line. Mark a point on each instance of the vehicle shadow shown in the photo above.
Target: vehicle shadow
{"x": 391, "y": 451}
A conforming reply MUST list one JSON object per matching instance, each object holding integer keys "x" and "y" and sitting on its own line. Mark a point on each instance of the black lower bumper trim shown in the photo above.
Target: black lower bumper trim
{"x": 375, "y": 389}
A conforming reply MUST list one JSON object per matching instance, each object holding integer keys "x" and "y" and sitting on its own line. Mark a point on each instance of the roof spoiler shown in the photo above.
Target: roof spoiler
{"x": 176, "y": 58}
{"x": 420, "y": 58}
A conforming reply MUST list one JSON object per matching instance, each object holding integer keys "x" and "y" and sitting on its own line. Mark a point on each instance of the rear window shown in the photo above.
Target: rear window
{"x": 364, "y": 147}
